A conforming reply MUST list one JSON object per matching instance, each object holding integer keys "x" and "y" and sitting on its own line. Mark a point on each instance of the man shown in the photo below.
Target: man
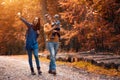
{"x": 52, "y": 43}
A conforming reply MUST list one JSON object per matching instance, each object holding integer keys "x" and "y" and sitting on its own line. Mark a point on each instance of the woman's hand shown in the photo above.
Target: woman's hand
{"x": 19, "y": 14}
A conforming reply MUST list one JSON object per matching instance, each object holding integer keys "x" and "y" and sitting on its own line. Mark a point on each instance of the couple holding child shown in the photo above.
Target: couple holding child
{"x": 52, "y": 35}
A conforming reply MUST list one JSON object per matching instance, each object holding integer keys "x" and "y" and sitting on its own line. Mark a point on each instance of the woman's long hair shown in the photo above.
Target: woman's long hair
{"x": 37, "y": 26}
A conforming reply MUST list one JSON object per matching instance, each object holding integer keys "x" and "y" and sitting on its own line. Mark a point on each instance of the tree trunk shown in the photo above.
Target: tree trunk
{"x": 43, "y": 10}
{"x": 52, "y": 6}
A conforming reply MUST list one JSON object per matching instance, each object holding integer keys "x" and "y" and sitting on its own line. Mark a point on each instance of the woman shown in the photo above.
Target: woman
{"x": 52, "y": 43}
{"x": 31, "y": 42}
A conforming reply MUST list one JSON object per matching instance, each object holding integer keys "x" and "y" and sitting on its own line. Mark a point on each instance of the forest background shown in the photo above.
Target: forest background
{"x": 87, "y": 24}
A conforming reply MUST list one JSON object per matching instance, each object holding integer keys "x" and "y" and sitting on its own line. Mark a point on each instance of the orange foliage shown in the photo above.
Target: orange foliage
{"x": 12, "y": 30}
{"x": 94, "y": 23}
{"x": 87, "y": 24}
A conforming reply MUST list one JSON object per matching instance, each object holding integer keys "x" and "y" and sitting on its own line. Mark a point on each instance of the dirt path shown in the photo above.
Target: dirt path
{"x": 17, "y": 69}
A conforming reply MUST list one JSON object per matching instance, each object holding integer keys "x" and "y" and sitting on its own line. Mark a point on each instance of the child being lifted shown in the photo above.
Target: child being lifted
{"x": 57, "y": 29}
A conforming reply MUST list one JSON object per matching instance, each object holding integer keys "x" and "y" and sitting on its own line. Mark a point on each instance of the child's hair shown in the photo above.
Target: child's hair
{"x": 56, "y": 16}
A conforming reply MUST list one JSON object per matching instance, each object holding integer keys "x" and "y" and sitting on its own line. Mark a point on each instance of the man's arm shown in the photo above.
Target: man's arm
{"x": 48, "y": 28}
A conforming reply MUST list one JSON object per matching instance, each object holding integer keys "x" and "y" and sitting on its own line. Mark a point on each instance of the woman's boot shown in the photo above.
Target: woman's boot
{"x": 39, "y": 71}
{"x": 32, "y": 71}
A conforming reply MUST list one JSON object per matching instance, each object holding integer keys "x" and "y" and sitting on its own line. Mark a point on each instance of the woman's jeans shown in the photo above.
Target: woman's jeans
{"x": 35, "y": 51}
{"x": 53, "y": 48}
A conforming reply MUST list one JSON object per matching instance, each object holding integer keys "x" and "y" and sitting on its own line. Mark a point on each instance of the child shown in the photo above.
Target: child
{"x": 57, "y": 24}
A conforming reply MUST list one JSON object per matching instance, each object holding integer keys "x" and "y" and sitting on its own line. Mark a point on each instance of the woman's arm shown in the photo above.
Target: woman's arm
{"x": 25, "y": 22}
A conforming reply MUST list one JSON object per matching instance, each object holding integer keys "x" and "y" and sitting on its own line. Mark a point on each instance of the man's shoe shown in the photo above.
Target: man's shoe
{"x": 39, "y": 72}
{"x": 52, "y": 72}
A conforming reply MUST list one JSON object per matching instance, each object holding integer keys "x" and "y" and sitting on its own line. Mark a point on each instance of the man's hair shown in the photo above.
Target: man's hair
{"x": 46, "y": 15}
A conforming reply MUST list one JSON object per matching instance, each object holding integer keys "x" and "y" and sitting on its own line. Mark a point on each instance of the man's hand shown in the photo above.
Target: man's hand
{"x": 55, "y": 31}
{"x": 54, "y": 27}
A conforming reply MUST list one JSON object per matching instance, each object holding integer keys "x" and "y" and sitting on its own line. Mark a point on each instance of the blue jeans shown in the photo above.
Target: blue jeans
{"x": 35, "y": 51}
{"x": 53, "y": 48}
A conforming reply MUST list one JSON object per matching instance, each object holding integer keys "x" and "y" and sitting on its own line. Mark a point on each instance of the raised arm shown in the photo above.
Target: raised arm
{"x": 25, "y": 22}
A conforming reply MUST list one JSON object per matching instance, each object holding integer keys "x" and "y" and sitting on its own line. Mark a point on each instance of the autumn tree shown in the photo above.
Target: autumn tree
{"x": 91, "y": 24}
{"x": 87, "y": 24}
{"x": 12, "y": 30}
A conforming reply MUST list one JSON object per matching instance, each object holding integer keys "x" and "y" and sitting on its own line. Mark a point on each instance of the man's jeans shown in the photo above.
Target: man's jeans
{"x": 52, "y": 47}
{"x": 35, "y": 51}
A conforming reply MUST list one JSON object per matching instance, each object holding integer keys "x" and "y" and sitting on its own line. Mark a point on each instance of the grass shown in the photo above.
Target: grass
{"x": 88, "y": 66}
{"x": 81, "y": 65}
{"x": 96, "y": 69}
